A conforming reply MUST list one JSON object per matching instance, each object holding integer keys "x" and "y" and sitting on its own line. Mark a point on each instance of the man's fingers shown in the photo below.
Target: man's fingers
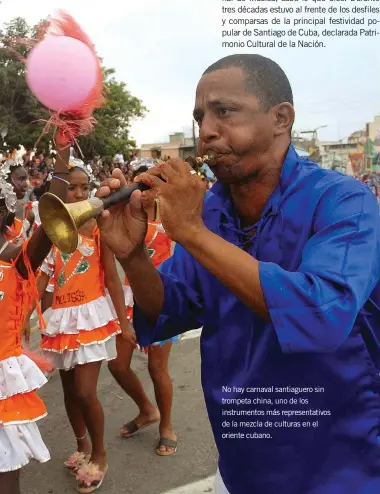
{"x": 180, "y": 166}
{"x": 135, "y": 203}
{"x": 119, "y": 175}
{"x": 167, "y": 172}
{"x": 151, "y": 180}
{"x": 103, "y": 191}
{"x": 107, "y": 186}
{"x": 105, "y": 214}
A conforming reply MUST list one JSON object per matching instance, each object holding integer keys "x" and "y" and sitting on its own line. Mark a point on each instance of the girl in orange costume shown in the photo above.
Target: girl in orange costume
{"x": 14, "y": 172}
{"x": 81, "y": 333}
{"x": 20, "y": 407}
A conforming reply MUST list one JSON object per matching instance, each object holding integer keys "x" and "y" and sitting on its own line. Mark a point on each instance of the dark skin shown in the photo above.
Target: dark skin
{"x": 251, "y": 144}
{"x": 232, "y": 124}
{"x": 19, "y": 180}
{"x": 39, "y": 244}
{"x": 38, "y": 248}
{"x": 79, "y": 384}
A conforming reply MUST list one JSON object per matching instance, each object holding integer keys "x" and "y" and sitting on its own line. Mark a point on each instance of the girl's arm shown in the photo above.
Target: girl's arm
{"x": 115, "y": 289}
{"x": 39, "y": 245}
{"x": 42, "y": 283}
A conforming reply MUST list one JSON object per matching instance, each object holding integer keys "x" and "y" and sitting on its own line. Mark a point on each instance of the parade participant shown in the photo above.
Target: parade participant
{"x": 14, "y": 172}
{"x": 20, "y": 407}
{"x": 159, "y": 248}
{"x": 81, "y": 332}
{"x": 280, "y": 264}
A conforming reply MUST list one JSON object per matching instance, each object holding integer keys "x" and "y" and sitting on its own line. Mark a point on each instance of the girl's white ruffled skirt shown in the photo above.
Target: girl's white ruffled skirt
{"x": 20, "y": 440}
{"x": 95, "y": 352}
{"x": 19, "y": 443}
{"x": 81, "y": 334}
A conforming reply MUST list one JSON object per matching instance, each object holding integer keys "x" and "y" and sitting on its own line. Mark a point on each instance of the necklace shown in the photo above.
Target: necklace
{"x": 151, "y": 252}
{"x": 81, "y": 266}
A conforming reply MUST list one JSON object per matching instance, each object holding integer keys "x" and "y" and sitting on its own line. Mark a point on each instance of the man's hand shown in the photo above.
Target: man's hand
{"x": 128, "y": 334}
{"x": 180, "y": 195}
{"x": 123, "y": 227}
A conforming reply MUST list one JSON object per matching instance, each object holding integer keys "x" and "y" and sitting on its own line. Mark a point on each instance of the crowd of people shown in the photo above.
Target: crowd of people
{"x": 39, "y": 166}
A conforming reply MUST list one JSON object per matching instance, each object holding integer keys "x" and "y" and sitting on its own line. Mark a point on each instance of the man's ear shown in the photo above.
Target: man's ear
{"x": 283, "y": 115}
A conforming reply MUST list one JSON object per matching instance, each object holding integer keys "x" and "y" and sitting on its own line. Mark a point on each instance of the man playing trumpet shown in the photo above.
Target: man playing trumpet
{"x": 280, "y": 264}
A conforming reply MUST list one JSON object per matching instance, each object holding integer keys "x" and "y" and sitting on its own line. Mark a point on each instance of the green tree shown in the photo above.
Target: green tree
{"x": 24, "y": 116}
{"x": 19, "y": 109}
{"x": 111, "y": 133}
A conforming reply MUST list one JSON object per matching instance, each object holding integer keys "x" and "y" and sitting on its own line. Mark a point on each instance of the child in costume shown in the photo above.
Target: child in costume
{"x": 160, "y": 248}
{"x": 14, "y": 172}
{"x": 20, "y": 407}
{"x": 81, "y": 332}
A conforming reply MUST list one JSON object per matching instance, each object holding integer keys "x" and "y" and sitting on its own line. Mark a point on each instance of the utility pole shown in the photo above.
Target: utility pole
{"x": 195, "y": 151}
{"x": 314, "y": 134}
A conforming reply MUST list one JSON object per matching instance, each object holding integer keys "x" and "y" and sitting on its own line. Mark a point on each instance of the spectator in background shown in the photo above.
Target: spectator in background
{"x": 119, "y": 158}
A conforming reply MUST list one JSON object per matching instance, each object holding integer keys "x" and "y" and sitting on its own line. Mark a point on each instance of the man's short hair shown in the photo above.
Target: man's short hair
{"x": 265, "y": 79}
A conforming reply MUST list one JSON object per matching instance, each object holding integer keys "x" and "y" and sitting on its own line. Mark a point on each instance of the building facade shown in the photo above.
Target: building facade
{"x": 178, "y": 146}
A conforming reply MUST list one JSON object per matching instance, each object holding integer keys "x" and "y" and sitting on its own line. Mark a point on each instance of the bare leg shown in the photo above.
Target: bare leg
{"x": 121, "y": 370}
{"x": 10, "y": 482}
{"x": 158, "y": 369}
{"x": 86, "y": 380}
{"x": 73, "y": 410}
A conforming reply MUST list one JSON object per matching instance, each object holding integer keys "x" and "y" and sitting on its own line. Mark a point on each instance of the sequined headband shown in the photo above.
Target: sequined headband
{"x": 77, "y": 163}
{"x": 7, "y": 193}
{"x": 7, "y": 166}
{"x": 139, "y": 163}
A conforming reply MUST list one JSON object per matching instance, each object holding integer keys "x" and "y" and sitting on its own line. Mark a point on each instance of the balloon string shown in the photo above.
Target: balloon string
{"x": 71, "y": 128}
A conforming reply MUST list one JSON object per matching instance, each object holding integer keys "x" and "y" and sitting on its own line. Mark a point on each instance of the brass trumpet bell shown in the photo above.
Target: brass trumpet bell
{"x": 61, "y": 221}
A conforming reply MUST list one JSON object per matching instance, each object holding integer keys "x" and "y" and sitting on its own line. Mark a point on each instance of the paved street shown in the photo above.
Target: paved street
{"x": 134, "y": 466}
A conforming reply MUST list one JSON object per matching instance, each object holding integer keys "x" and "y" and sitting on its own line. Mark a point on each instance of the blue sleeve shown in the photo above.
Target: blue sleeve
{"x": 183, "y": 306}
{"x": 314, "y": 308}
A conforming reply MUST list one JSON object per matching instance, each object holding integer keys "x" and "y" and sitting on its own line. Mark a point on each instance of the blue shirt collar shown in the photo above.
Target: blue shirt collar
{"x": 221, "y": 191}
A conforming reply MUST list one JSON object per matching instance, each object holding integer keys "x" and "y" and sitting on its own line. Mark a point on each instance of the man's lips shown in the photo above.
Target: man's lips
{"x": 219, "y": 157}
{"x": 217, "y": 152}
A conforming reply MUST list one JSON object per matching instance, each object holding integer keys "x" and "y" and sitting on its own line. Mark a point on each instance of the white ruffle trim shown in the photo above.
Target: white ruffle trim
{"x": 71, "y": 320}
{"x": 128, "y": 296}
{"x": 19, "y": 375}
{"x": 94, "y": 352}
{"x": 19, "y": 444}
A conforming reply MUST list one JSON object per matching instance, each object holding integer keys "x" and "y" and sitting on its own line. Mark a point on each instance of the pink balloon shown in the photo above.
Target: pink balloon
{"x": 61, "y": 72}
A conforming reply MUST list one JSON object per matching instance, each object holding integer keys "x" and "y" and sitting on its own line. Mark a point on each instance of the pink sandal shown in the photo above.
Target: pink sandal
{"x": 90, "y": 478}
{"x": 76, "y": 461}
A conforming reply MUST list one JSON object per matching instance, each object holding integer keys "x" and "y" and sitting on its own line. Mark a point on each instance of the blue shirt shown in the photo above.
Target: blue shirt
{"x": 308, "y": 418}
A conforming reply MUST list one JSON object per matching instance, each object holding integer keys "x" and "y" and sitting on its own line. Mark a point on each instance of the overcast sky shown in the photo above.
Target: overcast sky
{"x": 160, "y": 49}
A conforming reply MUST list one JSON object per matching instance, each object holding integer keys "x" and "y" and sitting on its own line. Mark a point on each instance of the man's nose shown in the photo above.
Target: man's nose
{"x": 209, "y": 129}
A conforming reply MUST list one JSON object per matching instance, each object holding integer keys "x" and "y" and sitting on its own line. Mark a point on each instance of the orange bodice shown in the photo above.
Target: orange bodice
{"x": 15, "y": 231}
{"x": 158, "y": 244}
{"x": 78, "y": 277}
{"x": 14, "y": 302}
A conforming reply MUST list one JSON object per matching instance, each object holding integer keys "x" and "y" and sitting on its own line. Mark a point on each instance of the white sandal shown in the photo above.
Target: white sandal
{"x": 90, "y": 478}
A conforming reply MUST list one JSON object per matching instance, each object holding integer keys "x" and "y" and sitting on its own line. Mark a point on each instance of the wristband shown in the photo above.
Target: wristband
{"x": 63, "y": 172}
{"x": 60, "y": 179}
